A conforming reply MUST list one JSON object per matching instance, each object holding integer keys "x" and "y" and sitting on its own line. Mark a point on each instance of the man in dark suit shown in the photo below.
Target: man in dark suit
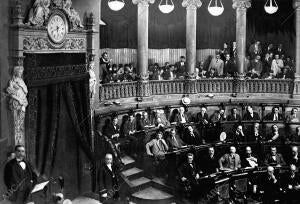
{"x": 19, "y": 177}
{"x": 295, "y": 159}
{"x": 202, "y": 117}
{"x": 108, "y": 180}
{"x": 255, "y": 134}
{"x": 291, "y": 183}
{"x": 112, "y": 129}
{"x": 270, "y": 186}
{"x": 189, "y": 175}
{"x": 210, "y": 164}
{"x": 229, "y": 67}
{"x": 174, "y": 141}
{"x": 249, "y": 160}
{"x": 274, "y": 115}
{"x": 250, "y": 114}
{"x": 274, "y": 158}
{"x": 181, "y": 68}
{"x": 234, "y": 116}
{"x": 191, "y": 137}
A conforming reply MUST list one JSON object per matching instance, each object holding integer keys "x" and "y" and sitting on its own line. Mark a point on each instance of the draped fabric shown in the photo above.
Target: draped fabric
{"x": 63, "y": 126}
{"x": 168, "y": 30}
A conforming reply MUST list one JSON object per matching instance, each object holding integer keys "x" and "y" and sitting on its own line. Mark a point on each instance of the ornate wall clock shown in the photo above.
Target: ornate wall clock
{"x": 57, "y": 27}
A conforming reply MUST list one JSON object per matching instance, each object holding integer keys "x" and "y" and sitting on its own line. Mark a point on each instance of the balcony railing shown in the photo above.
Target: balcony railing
{"x": 216, "y": 86}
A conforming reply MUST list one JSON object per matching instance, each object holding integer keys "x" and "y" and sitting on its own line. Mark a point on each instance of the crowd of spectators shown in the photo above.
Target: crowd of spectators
{"x": 263, "y": 63}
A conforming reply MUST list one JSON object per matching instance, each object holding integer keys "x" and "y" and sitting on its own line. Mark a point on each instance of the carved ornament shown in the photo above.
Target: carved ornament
{"x": 143, "y": 2}
{"x": 241, "y": 4}
{"x": 192, "y": 4}
{"x": 40, "y": 43}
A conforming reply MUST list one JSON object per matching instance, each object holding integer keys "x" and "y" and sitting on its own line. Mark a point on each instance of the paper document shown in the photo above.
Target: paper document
{"x": 39, "y": 187}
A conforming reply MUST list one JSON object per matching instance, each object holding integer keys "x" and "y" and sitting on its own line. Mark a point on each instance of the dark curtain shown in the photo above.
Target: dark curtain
{"x": 168, "y": 30}
{"x": 63, "y": 126}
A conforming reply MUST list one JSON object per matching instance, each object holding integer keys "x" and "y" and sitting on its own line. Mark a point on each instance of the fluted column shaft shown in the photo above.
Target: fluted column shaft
{"x": 241, "y": 7}
{"x": 191, "y": 27}
{"x": 142, "y": 35}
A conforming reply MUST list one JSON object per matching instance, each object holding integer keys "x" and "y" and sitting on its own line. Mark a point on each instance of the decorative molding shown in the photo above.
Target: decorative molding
{"x": 43, "y": 43}
{"x": 296, "y": 4}
{"x": 42, "y": 73}
{"x": 143, "y": 2}
{"x": 194, "y": 4}
{"x": 17, "y": 13}
{"x": 241, "y": 4}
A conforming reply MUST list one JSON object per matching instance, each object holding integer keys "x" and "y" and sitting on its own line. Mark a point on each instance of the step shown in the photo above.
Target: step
{"x": 83, "y": 199}
{"x": 132, "y": 173}
{"x": 152, "y": 195}
{"x": 160, "y": 184}
{"x": 128, "y": 162}
{"x": 139, "y": 184}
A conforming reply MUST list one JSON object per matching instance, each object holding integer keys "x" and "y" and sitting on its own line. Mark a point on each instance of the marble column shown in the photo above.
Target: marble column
{"x": 241, "y": 7}
{"x": 142, "y": 35}
{"x": 297, "y": 24}
{"x": 191, "y": 27}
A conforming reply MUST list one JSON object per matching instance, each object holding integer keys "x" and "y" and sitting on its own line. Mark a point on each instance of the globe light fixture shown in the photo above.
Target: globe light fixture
{"x": 166, "y": 6}
{"x": 216, "y": 9}
{"x": 272, "y": 7}
{"x": 116, "y": 5}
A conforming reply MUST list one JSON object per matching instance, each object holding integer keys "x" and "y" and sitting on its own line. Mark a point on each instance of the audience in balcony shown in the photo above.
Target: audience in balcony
{"x": 255, "y": 49}
{"x": 276, "y": 66}
{"x": 250, "y": 114}
{"x": 274, "y": 115}
{"x": 233, "y": 51}
{"x": 255, "y": 68}
{"x": 229, "y": 66}
{"x": 274, "y": 158}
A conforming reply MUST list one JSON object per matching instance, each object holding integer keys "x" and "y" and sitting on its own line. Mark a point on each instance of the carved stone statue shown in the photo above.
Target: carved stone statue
{"x": 39, "y": 12}
{"x": 17, "y": 91}
{"x": 72, "y": 14}
{"x": 93, "y": 81}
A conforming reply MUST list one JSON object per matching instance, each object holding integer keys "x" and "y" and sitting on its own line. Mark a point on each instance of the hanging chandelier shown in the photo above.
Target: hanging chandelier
{"x": 271, "y": 7}
{"x": 166, "y": 7}
{"x": 116, "y": 5}
{"x": 216, "y": 9}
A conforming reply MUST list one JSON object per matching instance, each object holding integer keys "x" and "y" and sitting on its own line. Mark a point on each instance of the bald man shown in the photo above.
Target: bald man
{"x": 295, "y": 157}
{"x": 108, "y": 180}
{"x": 291, "y": 183}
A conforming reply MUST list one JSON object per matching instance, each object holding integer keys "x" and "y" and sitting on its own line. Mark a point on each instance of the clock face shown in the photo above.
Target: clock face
{"x": 57, "y": 28}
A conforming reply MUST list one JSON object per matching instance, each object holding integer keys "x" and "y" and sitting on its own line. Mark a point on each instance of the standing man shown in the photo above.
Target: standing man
{"x": 108, "y": 180}
{"x": 105, "y": 63}
{"x": 217, "y": 64}
{"x": 181, "y": 68}
{"x": 19, "y": 177}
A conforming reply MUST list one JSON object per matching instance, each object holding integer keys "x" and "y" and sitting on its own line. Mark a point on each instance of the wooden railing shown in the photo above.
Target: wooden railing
{"x": 202, "y": 86}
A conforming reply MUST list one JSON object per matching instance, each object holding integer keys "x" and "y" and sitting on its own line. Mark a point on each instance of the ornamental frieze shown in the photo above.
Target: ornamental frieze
{"x": 39, "y": 44}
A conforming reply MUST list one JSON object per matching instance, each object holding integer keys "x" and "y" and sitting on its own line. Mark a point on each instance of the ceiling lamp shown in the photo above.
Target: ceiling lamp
{"x": 166, "y": 7}
{"x": 216, "y": 9}
{"x": 271, "y": 7}
{"x": 116, "y": 5}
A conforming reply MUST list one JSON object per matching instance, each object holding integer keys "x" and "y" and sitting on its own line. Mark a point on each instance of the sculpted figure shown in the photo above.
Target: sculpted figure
{"x": 39, "y": 12}
{"x": 73, "y": 15}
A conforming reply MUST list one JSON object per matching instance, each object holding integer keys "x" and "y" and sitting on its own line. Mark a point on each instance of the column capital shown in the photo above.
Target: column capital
{"x": 192, "y": 4}
{"x": 143, "y": 2}
{"x": 242, "y": 4}
{"x": 296, "y": 4}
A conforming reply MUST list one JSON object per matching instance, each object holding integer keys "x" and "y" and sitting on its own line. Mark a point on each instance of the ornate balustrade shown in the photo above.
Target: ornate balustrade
{"x": 201, "y": 86}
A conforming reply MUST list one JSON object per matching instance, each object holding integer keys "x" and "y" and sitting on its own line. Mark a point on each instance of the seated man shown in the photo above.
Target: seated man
{"x": 238, "y": 135}
{"x": 174, "y": 141}
{"x": 274, "y": 158}
{"x": 294, "y": 159}
{"x": 274, "y": 136}
{"x": 295, "y": 137}
{"x": 274, "y": 115}
{"x": 250, "y": 114}
{"x": 291, "y": 183}
{"x": 202, "y": 117}
{"x": 270, "y": 186}
{"x": 292, "y": 117}
{"x": 249, "y": 160}
{"x": 111, "y": 129}
{"x": 255, "y": 133}
{"x": 234, "y": 116}
{"x": 209, "y": 165}
{"x": 191, "y": 137}
{"x": 218, "y": 116}
{"x": 189, "y": 175}
{"x": 230, "y": 161}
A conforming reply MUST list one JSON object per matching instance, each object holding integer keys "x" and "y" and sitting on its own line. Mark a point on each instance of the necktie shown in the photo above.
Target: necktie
{"x": 175, "y": 141}
{"x": 161, "y": 144}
